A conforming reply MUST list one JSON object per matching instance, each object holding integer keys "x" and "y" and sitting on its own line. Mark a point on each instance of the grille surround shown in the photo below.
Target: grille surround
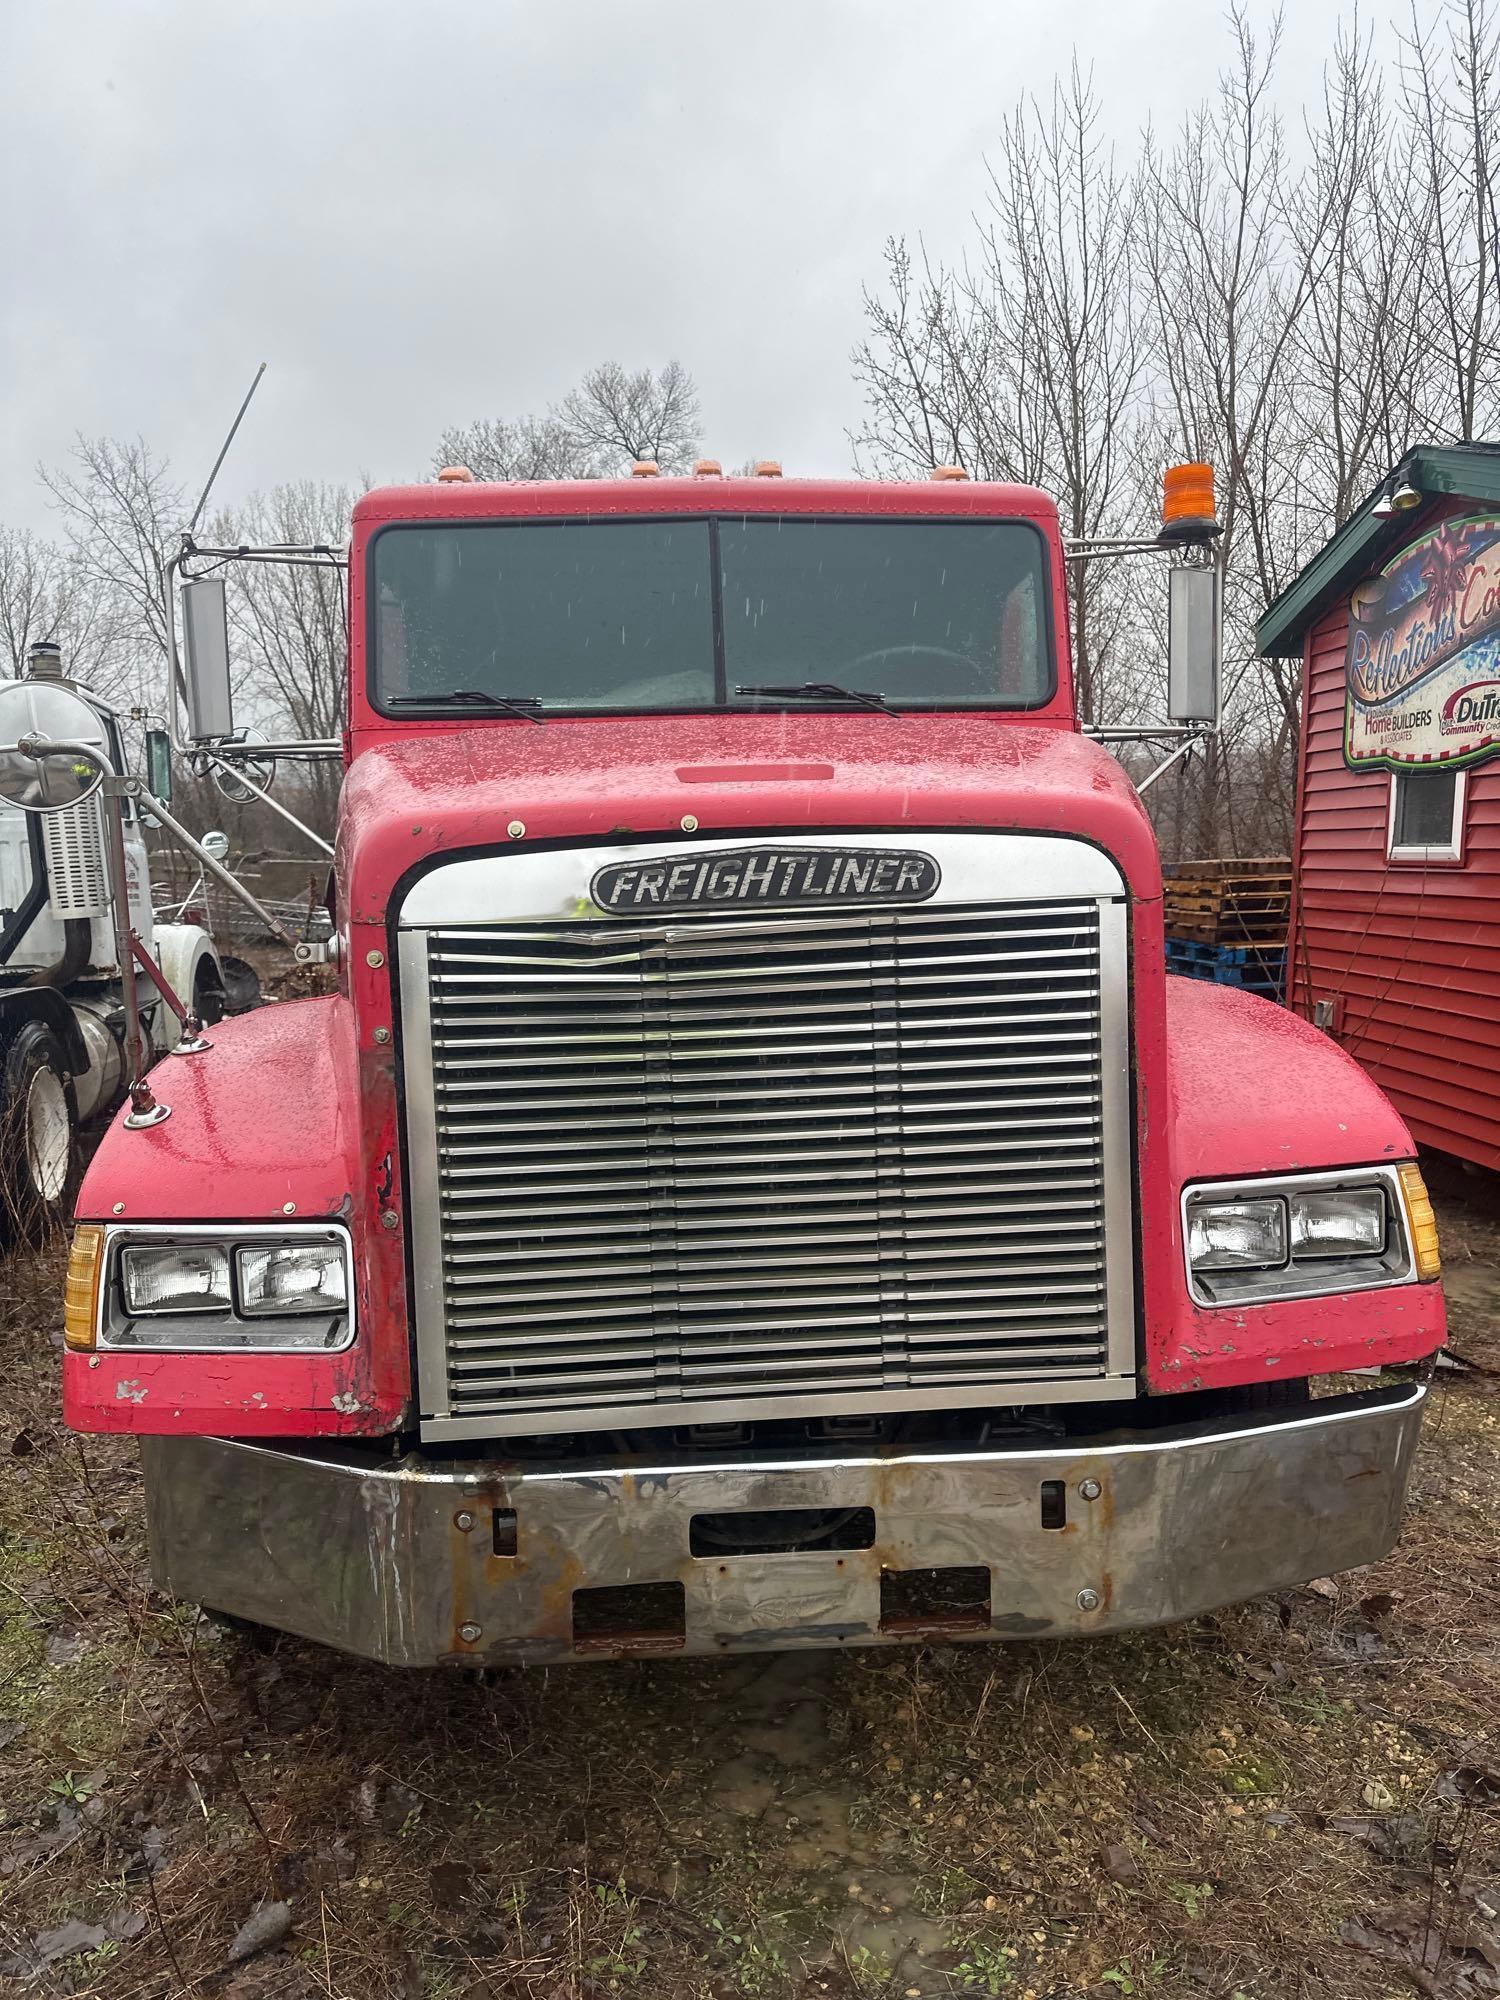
{"x": 647, "y": 1245}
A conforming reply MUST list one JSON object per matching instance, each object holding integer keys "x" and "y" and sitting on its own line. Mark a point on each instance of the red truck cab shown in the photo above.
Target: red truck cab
{"x": 755, "y": 1184}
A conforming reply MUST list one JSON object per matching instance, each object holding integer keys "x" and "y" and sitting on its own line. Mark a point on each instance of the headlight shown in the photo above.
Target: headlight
{"x": 1227, "y": 1235}
{"x": 214, "y": 1288}
{"x": 1295, "y": 1236}
{"x": 292, "y": 1278}
{"x": 175, "y": 1278}
{"x": 1350, "y": 1223}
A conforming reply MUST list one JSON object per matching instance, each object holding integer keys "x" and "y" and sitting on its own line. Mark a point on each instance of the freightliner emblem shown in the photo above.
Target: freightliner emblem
{"x": 751, "y": 877}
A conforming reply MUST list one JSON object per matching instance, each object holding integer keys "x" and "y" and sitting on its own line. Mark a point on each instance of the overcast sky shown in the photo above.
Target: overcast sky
{"x": 424, "y": 213}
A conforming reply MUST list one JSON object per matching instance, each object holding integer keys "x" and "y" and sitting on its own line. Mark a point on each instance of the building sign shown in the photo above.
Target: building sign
{"x": 1423, "y": 661}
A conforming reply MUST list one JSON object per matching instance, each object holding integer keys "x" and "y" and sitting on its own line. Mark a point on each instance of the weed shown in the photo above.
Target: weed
{"x": 622, "y": 1957}
{"x": 75, "y": 1790}
{"x": 1131, "y": 1976}
{"x": 1193, "y": 1896}
{"x": 987, "y": 1968}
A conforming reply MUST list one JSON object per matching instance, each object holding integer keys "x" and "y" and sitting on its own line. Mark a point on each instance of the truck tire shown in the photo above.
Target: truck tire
{"x": 208, "y": 994}
{"x": 38, "y": 1135}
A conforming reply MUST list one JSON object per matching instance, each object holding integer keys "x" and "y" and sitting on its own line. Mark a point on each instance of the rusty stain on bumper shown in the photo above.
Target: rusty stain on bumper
{"x": 368, "y": 1555}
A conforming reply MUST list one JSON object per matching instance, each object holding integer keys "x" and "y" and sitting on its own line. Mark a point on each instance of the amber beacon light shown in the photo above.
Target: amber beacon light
{"x": 1187, "y": 503}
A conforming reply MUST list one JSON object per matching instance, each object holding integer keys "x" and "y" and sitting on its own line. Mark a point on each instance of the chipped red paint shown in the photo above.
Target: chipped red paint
{"x": 269, "y": 1115}
{"x": 1251, "y": 1089}
{"x": 298, "y": 1103}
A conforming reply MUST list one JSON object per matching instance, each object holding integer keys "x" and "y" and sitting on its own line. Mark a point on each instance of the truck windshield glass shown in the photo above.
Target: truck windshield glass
{"x": 624, "y": 615}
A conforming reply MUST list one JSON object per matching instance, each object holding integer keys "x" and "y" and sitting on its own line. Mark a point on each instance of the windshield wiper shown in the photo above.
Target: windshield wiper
{"x": 823, "y": 691}
{"x": 522, "y": 706}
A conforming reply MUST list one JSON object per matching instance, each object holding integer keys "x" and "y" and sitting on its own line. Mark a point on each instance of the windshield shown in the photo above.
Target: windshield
{"x": 680, "y": 614}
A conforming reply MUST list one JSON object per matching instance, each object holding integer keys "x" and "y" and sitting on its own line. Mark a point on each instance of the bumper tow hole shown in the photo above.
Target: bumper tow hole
{"x": 503, "y": 1531}
{"x": 630, "y": 1618}
{"x": 1054, "y": 1503}
{"x": 914, "y": 1601}
{"x": 782, "y": 1531}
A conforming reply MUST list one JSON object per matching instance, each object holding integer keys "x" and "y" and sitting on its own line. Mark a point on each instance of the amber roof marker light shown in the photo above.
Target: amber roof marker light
{"x": 455, "y": 475}
{"x": 1188, "y": 511}
{"x": 949, "y": 472}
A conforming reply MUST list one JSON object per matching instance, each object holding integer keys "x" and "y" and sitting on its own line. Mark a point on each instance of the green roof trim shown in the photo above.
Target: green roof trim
{"x": 1465, "y": 471}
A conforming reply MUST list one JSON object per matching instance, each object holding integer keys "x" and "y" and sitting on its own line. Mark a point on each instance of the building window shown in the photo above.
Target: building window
{"x": 1427, "y": 816}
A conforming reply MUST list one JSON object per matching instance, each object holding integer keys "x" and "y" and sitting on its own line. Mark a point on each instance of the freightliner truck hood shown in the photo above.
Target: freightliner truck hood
{"x": 433, "y": 791}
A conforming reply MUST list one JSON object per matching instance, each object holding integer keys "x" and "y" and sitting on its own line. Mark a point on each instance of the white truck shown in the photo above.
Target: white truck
{"x": 62, "y": 1012}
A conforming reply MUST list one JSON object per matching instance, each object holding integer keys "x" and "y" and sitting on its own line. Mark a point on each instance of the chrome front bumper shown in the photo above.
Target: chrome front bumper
{"x": 400, "y": 1559}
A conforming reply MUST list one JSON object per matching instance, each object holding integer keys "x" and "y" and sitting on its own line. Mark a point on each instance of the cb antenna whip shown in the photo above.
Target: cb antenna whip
{"x": 223, "y": 454}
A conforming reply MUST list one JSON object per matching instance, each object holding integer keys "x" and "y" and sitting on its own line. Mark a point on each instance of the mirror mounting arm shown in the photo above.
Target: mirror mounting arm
{"x": 133, "y": 788}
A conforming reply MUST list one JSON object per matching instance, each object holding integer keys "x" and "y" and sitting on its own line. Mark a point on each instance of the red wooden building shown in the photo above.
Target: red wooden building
{"x": 1395, "y": 938}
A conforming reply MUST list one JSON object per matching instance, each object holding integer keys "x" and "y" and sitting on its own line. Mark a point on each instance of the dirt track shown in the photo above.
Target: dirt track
{"x": 1298, "y": 1797}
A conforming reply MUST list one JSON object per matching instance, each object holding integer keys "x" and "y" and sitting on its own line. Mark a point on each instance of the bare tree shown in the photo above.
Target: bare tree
{"x": 1448, "y": 95}
{"x": 612, "y": 418}
{"x": 289, "y": 623}
{"x": 529, "y": 448}
{"x": 119, "y": 506}
{"x": 1027, "y": 364}
{"x": 46, "y": 594}
{"x": 616, "y": 417}
{"x": 1360, "y": 354}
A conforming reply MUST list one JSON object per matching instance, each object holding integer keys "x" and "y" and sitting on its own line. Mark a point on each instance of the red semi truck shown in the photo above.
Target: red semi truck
{"x": 754, "y": 1185}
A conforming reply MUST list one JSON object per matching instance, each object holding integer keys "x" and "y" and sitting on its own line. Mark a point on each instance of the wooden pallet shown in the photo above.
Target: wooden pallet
{"x": 1270, "y": 931}
{"x": 1229, "y": 902}
{"x": 1213, "y": 871}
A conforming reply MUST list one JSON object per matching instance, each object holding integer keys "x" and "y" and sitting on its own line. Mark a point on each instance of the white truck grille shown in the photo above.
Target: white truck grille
{"x": 766, "y": 1163}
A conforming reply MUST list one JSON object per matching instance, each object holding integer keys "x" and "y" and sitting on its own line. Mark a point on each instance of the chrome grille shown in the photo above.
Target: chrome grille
{"x": 721, "y": 1167}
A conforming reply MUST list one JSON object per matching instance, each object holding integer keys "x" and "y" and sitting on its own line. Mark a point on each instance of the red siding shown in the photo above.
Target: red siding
{"x": 1411, "y": 955}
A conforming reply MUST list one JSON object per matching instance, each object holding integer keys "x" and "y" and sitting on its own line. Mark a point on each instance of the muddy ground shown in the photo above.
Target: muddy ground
{"x": 1297, "y": 1797}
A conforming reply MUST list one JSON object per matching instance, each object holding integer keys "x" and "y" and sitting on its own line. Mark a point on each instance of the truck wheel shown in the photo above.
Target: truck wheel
{"x": 208, "y": 995}
{"x": 38, "y": 1134}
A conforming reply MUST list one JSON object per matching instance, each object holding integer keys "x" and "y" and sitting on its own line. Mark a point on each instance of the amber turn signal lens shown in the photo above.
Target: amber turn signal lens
{"x": 1187, "y": 494}
{"x": 81, "y": 1287}
{"x": 1421, "y": 1221}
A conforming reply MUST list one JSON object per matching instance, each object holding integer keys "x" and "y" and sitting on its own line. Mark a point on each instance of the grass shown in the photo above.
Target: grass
{"x": 1259, "y": 1803}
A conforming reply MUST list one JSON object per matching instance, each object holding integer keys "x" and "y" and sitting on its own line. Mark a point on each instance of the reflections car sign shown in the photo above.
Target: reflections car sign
{"x": 1423, "y": 659}
{"x": 757, "y": 877}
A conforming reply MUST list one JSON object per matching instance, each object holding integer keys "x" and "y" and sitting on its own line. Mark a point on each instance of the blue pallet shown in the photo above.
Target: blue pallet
{"x": 1252, "y": 970}
{"x": 1225, "y": 954}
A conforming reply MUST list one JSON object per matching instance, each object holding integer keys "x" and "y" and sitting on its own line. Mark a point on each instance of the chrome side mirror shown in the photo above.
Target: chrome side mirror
{"x": 39, "y": 771}
{"x": 1195, "y": 643}
{"x": 205, "y": 655}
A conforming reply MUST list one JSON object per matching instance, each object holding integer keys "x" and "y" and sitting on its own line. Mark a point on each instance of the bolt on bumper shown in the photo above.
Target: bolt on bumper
{"x": 419, "y": 1561}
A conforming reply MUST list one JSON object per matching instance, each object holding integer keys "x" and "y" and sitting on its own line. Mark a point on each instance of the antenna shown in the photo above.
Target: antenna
{"x": 223, "y": 453}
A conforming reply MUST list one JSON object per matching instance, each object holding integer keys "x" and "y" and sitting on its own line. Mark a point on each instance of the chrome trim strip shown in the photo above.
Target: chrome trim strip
{"x": 1118, "y": 1177}
{"x": 606, "y": 1475}
{"x": 424, "y": 1218}
{"x": 121, "y": 1235}
{"x": 1248, "y": 1187}
{"x": 554, "y": 882}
